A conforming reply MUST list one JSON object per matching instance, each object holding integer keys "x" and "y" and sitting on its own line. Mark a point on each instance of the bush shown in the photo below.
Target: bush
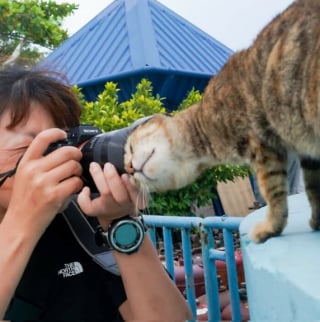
{"x": 108, "y": 114}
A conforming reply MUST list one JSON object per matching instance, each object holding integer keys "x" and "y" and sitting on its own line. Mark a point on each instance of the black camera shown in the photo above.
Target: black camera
{"x": 97, "y": 146}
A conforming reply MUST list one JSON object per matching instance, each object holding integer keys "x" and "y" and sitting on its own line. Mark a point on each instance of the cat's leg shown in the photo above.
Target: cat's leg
{"x": 271, "y": 171}
{"x": 311, "y": 174}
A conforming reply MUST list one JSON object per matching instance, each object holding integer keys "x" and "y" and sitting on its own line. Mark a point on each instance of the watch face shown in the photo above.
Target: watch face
{"x": 126, "y": 235}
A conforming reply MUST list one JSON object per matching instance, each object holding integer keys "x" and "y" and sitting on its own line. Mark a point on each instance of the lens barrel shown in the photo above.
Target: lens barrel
{"x": 106, "y": 147}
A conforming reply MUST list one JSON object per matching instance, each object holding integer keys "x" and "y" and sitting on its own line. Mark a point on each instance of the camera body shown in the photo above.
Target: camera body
{"x": 98, "y": 147}
{"x": 75, "y": 137}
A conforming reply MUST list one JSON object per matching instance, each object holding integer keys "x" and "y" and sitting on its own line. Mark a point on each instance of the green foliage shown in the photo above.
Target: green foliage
{"x": 33, "y": 23}
{"x": 108, "y": 114}
{"x": 198, "y": 194}
{"x": 193, "y": 97}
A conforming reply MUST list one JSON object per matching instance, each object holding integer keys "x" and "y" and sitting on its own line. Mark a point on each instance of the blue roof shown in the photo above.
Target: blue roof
{"x": 131, "y": 39}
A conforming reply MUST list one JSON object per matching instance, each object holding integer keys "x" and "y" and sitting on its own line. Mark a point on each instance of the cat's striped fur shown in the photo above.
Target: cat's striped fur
{"x": 263, "y": 103}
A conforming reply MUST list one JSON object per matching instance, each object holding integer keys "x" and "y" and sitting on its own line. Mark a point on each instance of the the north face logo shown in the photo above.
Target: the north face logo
{"x": 71, "y": 269}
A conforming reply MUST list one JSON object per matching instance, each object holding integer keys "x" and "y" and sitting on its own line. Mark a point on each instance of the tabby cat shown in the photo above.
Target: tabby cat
{"x": 263, "y": 103}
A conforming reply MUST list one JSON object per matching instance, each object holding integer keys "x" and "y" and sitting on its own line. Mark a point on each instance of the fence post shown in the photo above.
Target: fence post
{"x": 210, "y": 274}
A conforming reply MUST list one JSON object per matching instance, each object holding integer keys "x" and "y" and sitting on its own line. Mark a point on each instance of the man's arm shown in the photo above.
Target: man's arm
{"x": 152, "y": 295}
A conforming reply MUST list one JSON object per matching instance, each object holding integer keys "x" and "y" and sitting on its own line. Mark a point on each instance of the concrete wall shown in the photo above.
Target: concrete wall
{"x": 283, "y": 274}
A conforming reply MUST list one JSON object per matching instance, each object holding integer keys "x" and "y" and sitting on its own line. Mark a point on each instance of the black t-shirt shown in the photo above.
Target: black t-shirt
{"x": 61, "y": 282}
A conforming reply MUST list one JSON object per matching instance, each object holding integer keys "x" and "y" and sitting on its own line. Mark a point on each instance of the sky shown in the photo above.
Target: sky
{"x": 235, "y": 23}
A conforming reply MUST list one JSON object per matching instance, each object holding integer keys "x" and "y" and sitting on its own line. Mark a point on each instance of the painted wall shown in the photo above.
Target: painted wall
{"x": 283, "y": 274}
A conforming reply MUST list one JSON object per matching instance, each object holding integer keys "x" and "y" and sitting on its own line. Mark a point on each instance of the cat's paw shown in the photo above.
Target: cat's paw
{"x": 262, "y": 231}
{"x": 314, "y": 224}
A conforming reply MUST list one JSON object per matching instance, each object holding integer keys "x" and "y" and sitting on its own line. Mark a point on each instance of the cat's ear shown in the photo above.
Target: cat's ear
{"x": 141, "y": 121}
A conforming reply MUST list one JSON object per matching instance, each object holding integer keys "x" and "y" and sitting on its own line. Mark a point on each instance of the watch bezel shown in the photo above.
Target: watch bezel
{"x": 118, "y": 224}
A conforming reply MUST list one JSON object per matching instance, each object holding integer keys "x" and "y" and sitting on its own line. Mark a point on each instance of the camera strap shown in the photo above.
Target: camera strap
{"x": 85, "y": 235}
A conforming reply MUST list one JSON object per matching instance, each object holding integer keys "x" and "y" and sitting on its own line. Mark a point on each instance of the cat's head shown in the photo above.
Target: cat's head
{"x": 158, "y": 156}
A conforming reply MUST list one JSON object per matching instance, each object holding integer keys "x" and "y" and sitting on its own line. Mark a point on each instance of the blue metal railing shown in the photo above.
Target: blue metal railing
{"x": 209, "y": 255}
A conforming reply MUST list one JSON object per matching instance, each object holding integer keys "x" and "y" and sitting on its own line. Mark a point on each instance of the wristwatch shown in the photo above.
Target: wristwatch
{"x": 124, "y": 235}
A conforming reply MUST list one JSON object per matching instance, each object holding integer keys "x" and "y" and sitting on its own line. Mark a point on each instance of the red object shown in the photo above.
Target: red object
{"x": 224, "y": 299}
{"x": 198, "y": 279}
{"x": 239, "y": 264}
{"x": 222, "y": 269}
{"x": 226, "y": 314}
{"x": 202, "y": 312}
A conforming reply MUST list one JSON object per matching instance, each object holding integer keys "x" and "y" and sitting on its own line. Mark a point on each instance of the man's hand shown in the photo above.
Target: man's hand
{"x": 118, "y": 196}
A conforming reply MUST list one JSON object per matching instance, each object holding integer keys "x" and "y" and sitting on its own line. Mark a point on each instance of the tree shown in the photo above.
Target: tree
{"x": 27, "y": 27}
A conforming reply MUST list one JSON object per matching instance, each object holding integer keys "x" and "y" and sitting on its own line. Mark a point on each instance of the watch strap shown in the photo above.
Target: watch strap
{"x": 85, "y": 235}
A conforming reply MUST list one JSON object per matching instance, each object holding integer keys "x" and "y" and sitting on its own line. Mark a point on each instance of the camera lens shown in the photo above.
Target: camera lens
{"x": 106, "y": 147}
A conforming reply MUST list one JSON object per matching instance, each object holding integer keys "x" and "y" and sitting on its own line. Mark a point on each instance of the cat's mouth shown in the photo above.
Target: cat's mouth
{"x": 141, "y": 176}
{"x": 138, "y": 172}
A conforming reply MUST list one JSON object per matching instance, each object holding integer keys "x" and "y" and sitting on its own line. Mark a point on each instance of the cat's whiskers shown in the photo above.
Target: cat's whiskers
{"x": 143, "y": 199}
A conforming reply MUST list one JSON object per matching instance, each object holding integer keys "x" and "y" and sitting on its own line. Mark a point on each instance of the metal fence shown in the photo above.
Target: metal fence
{"x": 210, "y": 255}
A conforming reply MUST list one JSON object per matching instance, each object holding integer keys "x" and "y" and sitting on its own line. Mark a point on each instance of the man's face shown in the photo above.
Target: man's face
{"x": 14, "y": 142}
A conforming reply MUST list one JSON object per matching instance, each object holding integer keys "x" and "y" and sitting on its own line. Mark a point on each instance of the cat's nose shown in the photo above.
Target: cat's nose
{"x": 130, "y": 168}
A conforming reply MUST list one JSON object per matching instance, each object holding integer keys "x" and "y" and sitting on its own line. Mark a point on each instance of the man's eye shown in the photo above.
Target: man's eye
{"x": 18, "y": 151}
{"x": 20, "y": 148}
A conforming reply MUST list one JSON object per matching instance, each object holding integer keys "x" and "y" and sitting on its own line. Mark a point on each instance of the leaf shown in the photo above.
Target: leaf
{"x": 38, "y": 22}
